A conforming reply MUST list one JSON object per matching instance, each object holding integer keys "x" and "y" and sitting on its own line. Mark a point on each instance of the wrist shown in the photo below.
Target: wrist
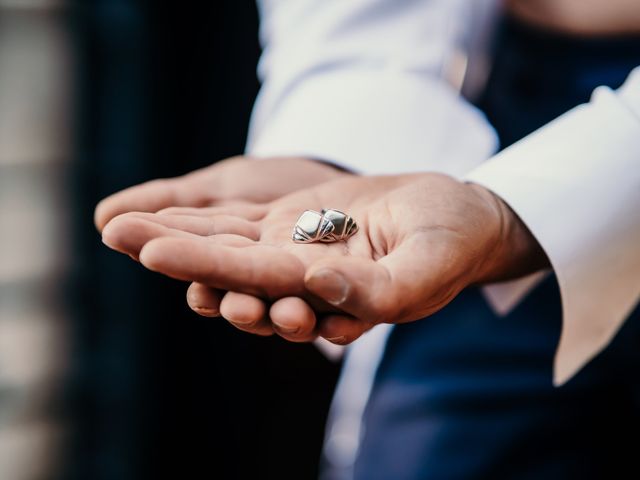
{"x": 514, "y": 250}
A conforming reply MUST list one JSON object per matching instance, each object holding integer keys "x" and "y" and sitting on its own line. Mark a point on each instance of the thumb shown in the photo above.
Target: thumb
{"x": 405, "y": 285}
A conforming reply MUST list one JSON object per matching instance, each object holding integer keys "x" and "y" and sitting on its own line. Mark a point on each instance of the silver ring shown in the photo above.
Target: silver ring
{"x": 328, "y": 226}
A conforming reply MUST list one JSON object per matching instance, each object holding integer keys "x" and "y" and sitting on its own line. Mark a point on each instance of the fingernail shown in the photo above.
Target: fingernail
{"x": 241, "y": 325}
{"x": 206, "y": 311}
{"x": 287, "y": 328}
{"x": 329, "y": 285}
{"x": 338, "y": 340}
{"x": 105, "y": 239}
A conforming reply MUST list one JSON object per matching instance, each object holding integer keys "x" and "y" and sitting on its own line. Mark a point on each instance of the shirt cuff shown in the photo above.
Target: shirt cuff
{"x": 373, "y": 122}
{"x": 575, "y": 183}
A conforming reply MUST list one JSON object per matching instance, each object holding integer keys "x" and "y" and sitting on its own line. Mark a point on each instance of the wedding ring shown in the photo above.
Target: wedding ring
{"x": 328, "y": 226}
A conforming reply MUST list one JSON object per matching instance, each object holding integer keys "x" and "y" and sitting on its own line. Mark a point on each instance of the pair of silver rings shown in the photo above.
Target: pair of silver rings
{"x": 326, "y": 226}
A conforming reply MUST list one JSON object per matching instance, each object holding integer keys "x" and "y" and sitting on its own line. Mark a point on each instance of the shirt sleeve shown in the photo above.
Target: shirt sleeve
{"x": 371, "y": 85}
{"x": 575, "y": 183}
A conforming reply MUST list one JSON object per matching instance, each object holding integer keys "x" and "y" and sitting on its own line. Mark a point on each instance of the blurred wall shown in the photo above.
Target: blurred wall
{"x": 35, "y": 154}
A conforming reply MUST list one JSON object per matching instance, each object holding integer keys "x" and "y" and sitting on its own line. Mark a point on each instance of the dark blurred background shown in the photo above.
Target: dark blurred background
{"x": 132, "y": 384}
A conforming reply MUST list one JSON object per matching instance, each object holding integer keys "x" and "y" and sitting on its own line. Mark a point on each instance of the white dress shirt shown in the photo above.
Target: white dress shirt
{"x": 372, "y": 85}
{"x": 575, "y": 183}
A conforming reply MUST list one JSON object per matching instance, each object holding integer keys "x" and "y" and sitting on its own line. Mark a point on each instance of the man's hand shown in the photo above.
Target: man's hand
{"x": 234, "y": 180}
{"x": 422, "y": 239}
{"x": 237, "y": 179}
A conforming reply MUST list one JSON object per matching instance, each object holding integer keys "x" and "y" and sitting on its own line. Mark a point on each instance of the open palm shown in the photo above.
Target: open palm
{"x": 422, "y": 239}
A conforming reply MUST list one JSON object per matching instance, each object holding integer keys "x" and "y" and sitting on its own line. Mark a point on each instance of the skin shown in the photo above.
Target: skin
{"x": 236, "y": 179}
{"x": 422, "y": 239}
{"x": 587, "y": 18}
{"x": 231, "y": 181}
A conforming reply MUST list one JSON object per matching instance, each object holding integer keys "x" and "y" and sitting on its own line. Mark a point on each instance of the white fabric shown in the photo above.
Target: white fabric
{"x": 576, "y": 184}
{"x": 344, "y": 425}
{"x": 361, "y": 83}
{"x": 371, "y": 85}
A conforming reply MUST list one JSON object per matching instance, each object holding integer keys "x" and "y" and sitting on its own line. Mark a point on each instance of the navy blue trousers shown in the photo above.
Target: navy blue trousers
{"x": 465, "y": 394}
